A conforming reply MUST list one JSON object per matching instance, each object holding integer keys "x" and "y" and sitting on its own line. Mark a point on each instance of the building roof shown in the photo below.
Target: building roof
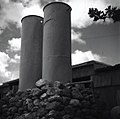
{"x": 108, "y": 68}
{"x": 92, "y": 62}
{"x": 9, "y": 83}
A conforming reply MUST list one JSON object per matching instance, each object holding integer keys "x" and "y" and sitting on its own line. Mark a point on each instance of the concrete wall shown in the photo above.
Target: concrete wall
{"x": 31, "y": 51}
{"x": 57, "y": 43}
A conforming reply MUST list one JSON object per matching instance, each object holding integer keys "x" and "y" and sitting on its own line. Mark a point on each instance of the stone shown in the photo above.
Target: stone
{"x": 58, "y": 84}
{"x": 28, "y": 90}
{"x": 52, "y": 113}
{"x": 85, "y": 91}
{"x": 24, "y": 102}
{"x": 38, "y": 118}
{"x": 76, "y": 94}
{"x": 35, "y": 108}
{"x": 115, "y": 112}
{"x": 30, "y": 106}
{"x": 34, "y": 97}
{"x": 42, "y": 104}
{"x": 80, "y": 86}
{"x": 77, "y": 118}
{"x": 10, "y": 117}
{"x": 55, "y": 101}
{"x": 85, "y": 111}
{"x": 78, "y": 113}
{"x": 19, "y": 93}
{"x": 21, "y": 117}
{"x": 10, "y": 94}
{"x": 28, "y": 116}
{"x": 13, "y": 109}
{"x": 43, "y": 118}
{"x": 87, "y": 97}
{"x": 28, "y": 100}
{"x": 42, "y": 82}
{"x": 19, "y": 103}
{"x": 65, "y": 92}
{"x": 65, "y": 100}
{"x": 74, "y": 102}
{"x": 12, "y": 100}
{"x": 67, "y": 116}
{"x": 50, "y": 91}
{"x": 24, "y": 95}
{"x": 69, "y": 109}
{"x": 36, "y": 102}
{"x": 4, "y": 106}
{"x": 36, "y": 92}
{"x": 85, "y": 103}
{"x": 20, "y": 110}
{"x": 16, "y": 115}
{"x": 41, "y": 112}
{"x": 43, "y": 96}
{"x": 54, "y": 106}
{"x": 55, "y": 98}
{"x": 34, "y": 115}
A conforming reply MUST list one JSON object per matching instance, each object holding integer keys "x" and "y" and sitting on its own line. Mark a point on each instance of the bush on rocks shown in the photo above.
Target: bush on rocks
{"x": 48, "y": 101}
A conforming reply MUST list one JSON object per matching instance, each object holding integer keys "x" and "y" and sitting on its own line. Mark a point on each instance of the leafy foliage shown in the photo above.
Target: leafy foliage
{"x": 110, "y": 13}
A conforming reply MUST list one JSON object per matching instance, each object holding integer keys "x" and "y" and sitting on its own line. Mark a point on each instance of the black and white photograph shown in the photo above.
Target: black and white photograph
{"x": 59, "y": 59}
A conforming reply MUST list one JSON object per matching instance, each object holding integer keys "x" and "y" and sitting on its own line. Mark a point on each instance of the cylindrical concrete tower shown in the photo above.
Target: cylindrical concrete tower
{"x": 57, "y": 43}
{"x": 31, "y": 51}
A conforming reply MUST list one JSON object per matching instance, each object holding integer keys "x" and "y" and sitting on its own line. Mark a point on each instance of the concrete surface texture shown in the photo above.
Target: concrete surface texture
{"x": 57, "y": 42}
{"x": 31, "y": 51}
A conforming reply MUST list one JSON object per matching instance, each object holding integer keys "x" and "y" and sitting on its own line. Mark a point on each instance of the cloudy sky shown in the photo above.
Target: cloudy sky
{"x": 90, "y": 41}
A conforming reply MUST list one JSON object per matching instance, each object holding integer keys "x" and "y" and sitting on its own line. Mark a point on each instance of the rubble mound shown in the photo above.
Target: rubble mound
{"x": 51, "y": 101}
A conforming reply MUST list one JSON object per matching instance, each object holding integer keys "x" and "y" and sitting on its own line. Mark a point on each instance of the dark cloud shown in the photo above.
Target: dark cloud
{"x": 44, "y": 2}
{"x": 27, "y": 3}
{"x": 15, "y": 0}
{"x": 0, "y": 6}
{"x": 8, "y": 33}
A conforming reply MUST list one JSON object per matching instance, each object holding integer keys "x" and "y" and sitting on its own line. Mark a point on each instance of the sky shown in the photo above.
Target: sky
{"x": 90, "y": 40}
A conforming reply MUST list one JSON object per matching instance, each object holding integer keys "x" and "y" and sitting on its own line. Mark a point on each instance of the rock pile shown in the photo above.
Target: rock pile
{"x": 47, "y": 101}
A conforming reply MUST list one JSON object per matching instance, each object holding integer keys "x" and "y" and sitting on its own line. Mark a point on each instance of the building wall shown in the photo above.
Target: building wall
{"x": 85, "y": 70}
{"x": 9, "y": 86}
{"x": 107, "y": 84}
{"x": 82, "y": 71}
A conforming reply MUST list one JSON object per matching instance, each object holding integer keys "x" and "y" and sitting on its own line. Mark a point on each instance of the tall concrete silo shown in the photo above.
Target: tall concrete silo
{"x": 31, "y": 51}
{"x": 57, "y": 42}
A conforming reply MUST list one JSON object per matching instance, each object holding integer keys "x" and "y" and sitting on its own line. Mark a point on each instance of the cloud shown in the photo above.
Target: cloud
{"x": 14, "y": 10}
{"x": 35, "y": 7}
{"x": 9, "y": 63}
{"x": 4, "y": 58}
{"x": 14, "y": 44}
{"x": 80, "y": 8}
{"x": 4, "y": 73}
{"x": 9, "y": 67}
{"x": 113, "y": 2}
{"x": 14, "y": 64}
{"x": 80, "y": 57}
{"x": 33, "y": 10}
{"x": 16, "y": 59}
{"x": 10, "y": 12}
{"x": 76, "y": 36}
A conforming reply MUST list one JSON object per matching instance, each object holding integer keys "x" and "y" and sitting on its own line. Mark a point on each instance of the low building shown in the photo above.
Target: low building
{"x": 85, "y": 71}
{"x": 9, "y": 86}
{"x": 107, "y": 84}
{"x": 104, "y": 78}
